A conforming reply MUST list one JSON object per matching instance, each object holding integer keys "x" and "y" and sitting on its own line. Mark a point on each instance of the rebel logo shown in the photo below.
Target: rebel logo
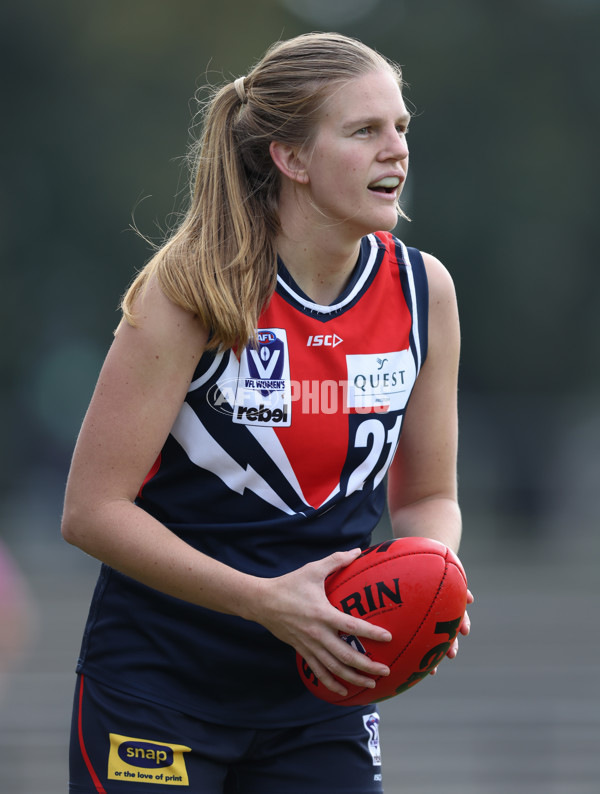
{"x": 262, "y": 414}
{"x": 146, "y": 754}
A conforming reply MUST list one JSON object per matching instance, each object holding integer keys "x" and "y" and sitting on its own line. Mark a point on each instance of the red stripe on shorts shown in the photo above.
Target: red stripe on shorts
{"x": 99, "y": 787}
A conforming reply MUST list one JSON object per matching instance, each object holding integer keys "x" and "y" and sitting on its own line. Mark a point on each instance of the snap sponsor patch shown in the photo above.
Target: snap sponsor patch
{"x": 263, "y": 394}
{"x": 380, "y": 382}
{"x": 142, "y": 760}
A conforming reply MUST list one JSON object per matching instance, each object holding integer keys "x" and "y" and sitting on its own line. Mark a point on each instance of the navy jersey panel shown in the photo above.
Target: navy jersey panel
{"x": 277, "y": 458}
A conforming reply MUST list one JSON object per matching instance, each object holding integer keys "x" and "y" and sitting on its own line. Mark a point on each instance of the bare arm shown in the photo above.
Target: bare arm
{"x": 139, "y": 393}
{"x": 422, "y": 481}
{"x": 422, "y": 487}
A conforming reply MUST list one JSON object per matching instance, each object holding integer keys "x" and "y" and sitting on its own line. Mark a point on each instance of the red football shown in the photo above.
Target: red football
{"x": 414, "y": 587}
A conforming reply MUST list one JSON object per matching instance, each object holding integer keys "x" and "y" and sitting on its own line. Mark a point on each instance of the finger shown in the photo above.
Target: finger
{"x": 361, "y": 628}
{"x": 339, "y": 559}
{"x": 356, "y": 669}
{"x": 453, "y": 650}
{"x": 343, "y": 659}
{"x": 324, "y": 676}
{"x": 470, "y": 597}
{"x": 465, "y": 626}
{"x": 329, "y": 670}
{"x": 347, "y": 659}
{"x": 351, "y": 675}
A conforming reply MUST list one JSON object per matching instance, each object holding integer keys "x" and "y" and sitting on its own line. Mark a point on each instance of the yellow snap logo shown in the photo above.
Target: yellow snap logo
{"x": 141, "y": 760}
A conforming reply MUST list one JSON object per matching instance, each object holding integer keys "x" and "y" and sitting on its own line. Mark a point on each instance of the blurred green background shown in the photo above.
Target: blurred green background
{"x": 503, "y": 188}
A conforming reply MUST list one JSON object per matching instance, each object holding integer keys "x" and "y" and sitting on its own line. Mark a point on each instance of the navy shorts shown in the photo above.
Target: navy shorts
{"x": 128, "y": 745}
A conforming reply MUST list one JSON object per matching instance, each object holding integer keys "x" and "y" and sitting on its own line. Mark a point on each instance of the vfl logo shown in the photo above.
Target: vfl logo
{"x": 324, "y": 340}
{"x": 136, "y": 760}
{"x": 371, "y": 723}
{"x": 266, "y": 364}
{"x": 263, "y": 394}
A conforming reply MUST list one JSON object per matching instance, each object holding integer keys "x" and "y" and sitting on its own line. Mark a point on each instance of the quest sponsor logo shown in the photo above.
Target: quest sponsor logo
{"x": 382, "y": 382}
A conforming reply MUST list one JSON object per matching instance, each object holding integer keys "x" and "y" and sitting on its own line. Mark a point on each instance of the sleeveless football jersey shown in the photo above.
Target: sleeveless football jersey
{"x": 277, "y": 458}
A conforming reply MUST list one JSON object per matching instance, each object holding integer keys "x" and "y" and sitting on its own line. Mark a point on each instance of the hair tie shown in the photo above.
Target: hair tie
{"x": 240, "y": 89}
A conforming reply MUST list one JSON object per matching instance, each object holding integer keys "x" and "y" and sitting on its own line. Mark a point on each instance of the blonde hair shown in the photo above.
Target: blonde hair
{"x": 220, "y": 262}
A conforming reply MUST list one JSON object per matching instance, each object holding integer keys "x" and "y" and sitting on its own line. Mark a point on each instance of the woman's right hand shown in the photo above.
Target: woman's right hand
{"x": 295, "y": 608}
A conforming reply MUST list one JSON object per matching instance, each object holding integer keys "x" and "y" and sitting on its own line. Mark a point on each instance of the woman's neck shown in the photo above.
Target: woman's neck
{"x": 320, "y": 255}
{"x": 320, "y": 269}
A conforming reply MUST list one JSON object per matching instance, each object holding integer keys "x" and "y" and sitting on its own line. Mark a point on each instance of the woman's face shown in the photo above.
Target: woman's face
{"x": 359, "y": 159}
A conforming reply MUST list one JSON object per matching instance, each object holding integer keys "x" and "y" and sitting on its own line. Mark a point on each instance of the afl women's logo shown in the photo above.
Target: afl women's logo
{"x": 263, "y": 395}
{"x": 265, "y": 364}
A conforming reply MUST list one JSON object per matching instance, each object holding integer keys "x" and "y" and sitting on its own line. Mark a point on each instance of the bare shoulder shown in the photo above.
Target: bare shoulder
{"x": 139, "y": 392}
{"x": 162, "y": 324}
{"x": 444, "y": 324}
{"x": 443, "y": 308}
{"x": 441, "y": 284}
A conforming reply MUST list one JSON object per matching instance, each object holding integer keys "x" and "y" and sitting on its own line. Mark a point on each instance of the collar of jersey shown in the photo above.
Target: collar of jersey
{"x": 367, "y": 260}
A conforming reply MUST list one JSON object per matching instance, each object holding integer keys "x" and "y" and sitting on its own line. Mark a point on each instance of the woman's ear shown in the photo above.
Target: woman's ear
{"x": 289, "y": 162}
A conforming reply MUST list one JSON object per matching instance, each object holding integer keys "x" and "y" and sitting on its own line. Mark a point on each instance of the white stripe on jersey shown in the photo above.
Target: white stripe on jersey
{"x": 316, "y": 307}
{"x": 202, "y": 449}
{"x": 414, "y": 307}
{"x": 267, "y": 438}
{"x": 207, "y": 375}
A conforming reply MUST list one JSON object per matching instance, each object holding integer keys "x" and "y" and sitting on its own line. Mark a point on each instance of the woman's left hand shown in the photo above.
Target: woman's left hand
{"x": 465, "y": 628}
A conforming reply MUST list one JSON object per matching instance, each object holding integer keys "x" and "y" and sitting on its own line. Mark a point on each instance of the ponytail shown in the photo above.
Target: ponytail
{"x": 221, "y": 263}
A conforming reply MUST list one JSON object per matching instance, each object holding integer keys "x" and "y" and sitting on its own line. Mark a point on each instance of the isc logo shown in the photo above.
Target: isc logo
{"x": 324, "y": 340}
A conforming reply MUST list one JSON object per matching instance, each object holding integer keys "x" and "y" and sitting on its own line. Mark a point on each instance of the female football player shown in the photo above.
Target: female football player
{"x": 277, "y": 357}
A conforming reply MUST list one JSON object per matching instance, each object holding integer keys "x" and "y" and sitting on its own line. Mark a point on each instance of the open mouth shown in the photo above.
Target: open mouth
{"x": 387, "y": 185}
